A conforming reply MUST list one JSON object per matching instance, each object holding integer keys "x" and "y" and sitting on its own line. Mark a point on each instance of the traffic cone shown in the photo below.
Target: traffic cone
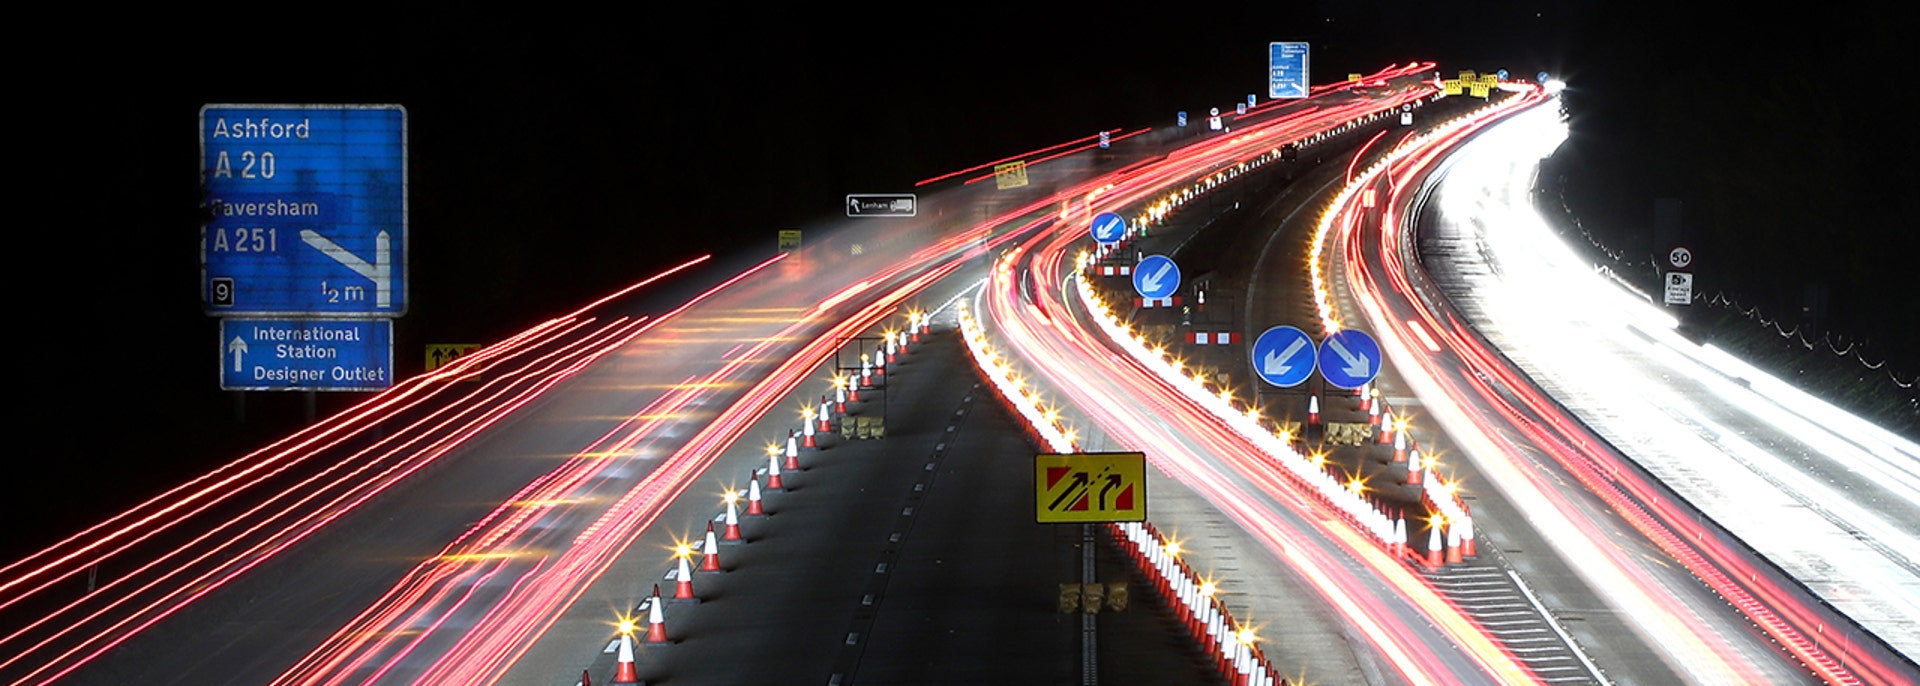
{"x": 1386, "y": 427}
{"x": 1413, "y": 468}
{"x": 683, "y": 583}
{"x": 1466, "y": 537}
{"x": 806, "y": 432}
{"x": 754, "y": 508}
{"x": 586, "y": 677}
{"x": 1434, "y": 546}
{"x": 1373, "y": 415}
{"x": 656, "y": 619}
{"x": 710, "y": 553}
{"x": 840, "y": 399}
{"x": 1400, "y": 447}
{"x": 625, "y": 673}
{"x": 1366, "y": 397}
{"x": 733, "y": 520}
{"x": 1313, "y": 410}
{"x": 773, "y": 475}
{"x": 1399, "y": 541}
{"x": 793, "y": 453}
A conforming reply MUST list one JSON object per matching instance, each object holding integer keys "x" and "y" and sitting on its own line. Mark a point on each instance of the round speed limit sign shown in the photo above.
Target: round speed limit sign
{"x": 1680, "y": 257}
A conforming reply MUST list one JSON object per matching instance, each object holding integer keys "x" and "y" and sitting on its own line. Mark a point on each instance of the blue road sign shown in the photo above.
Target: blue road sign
{"x": 1283, "y": 356}
{"x": 1156, "y": 276}
{"x": 1250, "y": 100}
{"x": 1501, "y": 74}
{"x": 1349, "y": 359}
{"x": 309, "y": 210}
{"x": 1181, "y": 118}
{"x": 306, "y": 354}
{"x": 1540, "y": 78}
{"x": 1108, "y": 228}
{"x": 1287, "y": 70}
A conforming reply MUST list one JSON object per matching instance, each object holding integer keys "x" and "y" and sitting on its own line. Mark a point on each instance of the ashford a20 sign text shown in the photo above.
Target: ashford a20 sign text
{"x": 307, "y": 210}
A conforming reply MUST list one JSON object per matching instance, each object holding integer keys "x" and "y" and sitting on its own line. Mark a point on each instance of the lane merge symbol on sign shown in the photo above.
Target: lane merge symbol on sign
{"x": 1349, "y": 359}
{"x": 1283, "y": 356}
{"x": 1090, "y": 487}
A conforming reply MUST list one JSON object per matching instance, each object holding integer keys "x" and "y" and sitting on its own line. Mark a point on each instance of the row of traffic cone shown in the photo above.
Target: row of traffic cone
{"x": 1195, "y": 602}
{"x": 812, "y": 422}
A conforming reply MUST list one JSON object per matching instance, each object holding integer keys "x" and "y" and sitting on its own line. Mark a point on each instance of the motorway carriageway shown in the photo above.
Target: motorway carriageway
{"x": 1528, "y": 446}
{"x": 536, "y": 512}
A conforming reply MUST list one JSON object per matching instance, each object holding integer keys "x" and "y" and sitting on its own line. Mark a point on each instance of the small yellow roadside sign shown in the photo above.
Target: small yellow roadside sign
{"x": 789, "y": 240}
{"x": 1010, "y": 175}
{"x": 442, "y": 354}
{"x": 1089, "y": 487}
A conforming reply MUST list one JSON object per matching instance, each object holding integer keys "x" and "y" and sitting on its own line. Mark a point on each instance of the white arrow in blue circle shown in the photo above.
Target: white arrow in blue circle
{"x": 1278, "y": 356}
{"x": 1108, "y": 228}
{"x": 1156, "y": 277}
{"x": 1349, "y": 359}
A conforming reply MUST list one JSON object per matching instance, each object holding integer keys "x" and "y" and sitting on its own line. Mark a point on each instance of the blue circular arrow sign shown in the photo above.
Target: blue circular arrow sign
{"x": 1349, "y": 359}
{"x": 1283, "y": 356}
{"x": 1108, "y": 228}
{"x": 1156, "y": 277}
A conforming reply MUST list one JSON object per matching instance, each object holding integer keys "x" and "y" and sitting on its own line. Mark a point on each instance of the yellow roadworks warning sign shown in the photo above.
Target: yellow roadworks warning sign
{"x": 1090, "y": 487}
{"x": 443, "y": 354}
{"x": 789, "y": 240}
{"x": 1010, "y": 175}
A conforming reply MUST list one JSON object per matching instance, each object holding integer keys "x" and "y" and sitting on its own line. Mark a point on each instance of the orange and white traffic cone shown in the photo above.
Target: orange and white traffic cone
{"x": 1313, "y": 410}
{"x": 1386, "y": 427}
{"x": 1400, "y": 447}
{"x": 1466, "y": 537}
{"x": 1453, "y": 543}
{"x": 683, "y": 581}
{"x": 793, "y": 453}
{"x": 1413, "y": 468}
{"x": 754, "y": 508}
{"x": 733, "y": 520}
{"x": 825, "y": 421}
{"x": 656, "y": 619}
{"x": 625, "y": 674}
{"x": 806, "y": 433}
{"x": 710, "y": 553}
{"x": 773, "y": 475}
{"x": 1399, "y": 543}
{"x": 1434, "y": 546}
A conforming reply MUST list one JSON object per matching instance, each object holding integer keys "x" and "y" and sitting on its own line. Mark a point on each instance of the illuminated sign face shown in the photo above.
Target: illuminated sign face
{"x": 308, "y": 210}
{"x": 1090, "y": 487}
{"x": 1287, "y": 70}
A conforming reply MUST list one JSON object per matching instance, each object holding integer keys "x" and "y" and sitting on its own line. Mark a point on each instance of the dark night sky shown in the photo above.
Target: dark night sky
{"x": 548, "y": 166}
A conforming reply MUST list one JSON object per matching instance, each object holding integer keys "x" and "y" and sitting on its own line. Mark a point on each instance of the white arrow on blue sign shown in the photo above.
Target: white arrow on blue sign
{"x": 1349, "y": 359}
{"x": 1156, "y": 277}
{"x": 1108, "y": 228}
{"x": 1283, "y": 356}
